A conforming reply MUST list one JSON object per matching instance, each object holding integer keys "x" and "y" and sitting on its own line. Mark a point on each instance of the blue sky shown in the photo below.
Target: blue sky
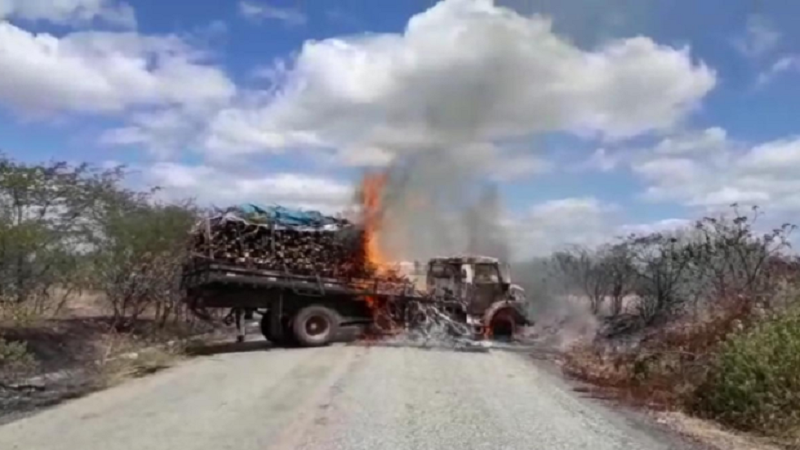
{"x": 595, "y": 118}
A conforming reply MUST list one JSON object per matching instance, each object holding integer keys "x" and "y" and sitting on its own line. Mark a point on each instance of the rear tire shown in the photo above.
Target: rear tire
{"x": 284, "y": 339}
{"x": 315, "y": 326}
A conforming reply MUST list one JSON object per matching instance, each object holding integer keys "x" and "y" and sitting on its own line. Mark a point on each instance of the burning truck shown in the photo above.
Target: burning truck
{"x": 315, "y": 279}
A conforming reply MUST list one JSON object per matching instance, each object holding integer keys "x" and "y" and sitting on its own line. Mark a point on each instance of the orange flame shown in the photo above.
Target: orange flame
{"x": 372, "y": 191}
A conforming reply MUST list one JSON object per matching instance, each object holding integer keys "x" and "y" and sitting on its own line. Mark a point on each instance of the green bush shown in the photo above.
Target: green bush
{"x": 754, "y": 384}
{"x": 15, "y": 360}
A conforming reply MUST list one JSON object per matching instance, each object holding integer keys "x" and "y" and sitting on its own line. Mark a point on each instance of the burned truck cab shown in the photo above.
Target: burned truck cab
{"x": 482, "y": 288}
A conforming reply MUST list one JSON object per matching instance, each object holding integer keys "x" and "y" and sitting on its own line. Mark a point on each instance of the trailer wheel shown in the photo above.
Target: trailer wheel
{"x": 315, "y": 326}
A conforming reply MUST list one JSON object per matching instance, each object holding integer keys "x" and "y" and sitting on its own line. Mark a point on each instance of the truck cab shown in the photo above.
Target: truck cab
{"x": 482, "y": 286}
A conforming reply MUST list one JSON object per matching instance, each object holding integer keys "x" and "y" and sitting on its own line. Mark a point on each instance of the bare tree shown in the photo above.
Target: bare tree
{"x": 662, "y": 263}
{"x": 586, "y": 271}
{"x": 617, "y": 265}
{"x": 732, "y": 260}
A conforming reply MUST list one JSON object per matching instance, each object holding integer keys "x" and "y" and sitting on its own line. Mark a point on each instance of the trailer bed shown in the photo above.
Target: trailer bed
{"x": 210, "y": 274}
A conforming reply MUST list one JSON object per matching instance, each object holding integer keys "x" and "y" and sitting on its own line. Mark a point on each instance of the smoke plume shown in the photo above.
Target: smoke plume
{"x": 435, "y": 204}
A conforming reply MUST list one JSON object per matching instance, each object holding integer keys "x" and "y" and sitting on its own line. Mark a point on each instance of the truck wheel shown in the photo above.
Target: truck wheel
{"x": 503, "y": 325}
{"x": 284, "y": 339}
{"x": 315, "y": 326}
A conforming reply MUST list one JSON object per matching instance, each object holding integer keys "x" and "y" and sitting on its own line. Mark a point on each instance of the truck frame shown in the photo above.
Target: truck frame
{"x": 314, "y": 311}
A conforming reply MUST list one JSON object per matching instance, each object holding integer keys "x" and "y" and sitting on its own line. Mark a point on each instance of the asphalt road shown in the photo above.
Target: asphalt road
{"x": 341, "y": 397}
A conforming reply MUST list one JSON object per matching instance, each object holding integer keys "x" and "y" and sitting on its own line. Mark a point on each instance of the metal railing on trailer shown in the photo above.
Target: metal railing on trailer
{"x": 208, "y": 272}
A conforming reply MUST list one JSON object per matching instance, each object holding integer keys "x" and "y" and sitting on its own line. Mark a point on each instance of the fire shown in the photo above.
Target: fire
{"x": 372, "y": 191}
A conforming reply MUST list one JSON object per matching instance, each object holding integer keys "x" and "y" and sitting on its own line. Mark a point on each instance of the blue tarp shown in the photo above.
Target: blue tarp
{"x": 288, "y": 217}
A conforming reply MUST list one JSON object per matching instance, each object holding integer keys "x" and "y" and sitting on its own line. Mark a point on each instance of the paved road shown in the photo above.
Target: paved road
{"x": 341, "y": 397}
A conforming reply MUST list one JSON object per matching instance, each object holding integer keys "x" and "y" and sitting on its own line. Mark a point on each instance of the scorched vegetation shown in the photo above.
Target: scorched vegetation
{"x": 702, "y": 318}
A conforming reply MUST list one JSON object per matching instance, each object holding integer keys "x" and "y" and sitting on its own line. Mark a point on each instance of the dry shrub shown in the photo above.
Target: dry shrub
{"x": 663, "y": 368}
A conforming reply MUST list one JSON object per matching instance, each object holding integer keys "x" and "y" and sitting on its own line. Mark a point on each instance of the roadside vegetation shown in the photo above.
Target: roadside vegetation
{"x": 704, "y": 319}
{"x": 88, "y": 269}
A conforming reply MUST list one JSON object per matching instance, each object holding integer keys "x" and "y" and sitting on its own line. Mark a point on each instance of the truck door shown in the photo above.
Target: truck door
{"x": 486, "y": 288}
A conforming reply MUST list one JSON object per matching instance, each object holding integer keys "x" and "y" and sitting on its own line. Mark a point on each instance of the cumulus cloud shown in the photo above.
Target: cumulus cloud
{"x": 463, "y": 72}
{"x": 673, "y": 154}
{"x": 103, "y": 72}
{"x": 708, "y": 140}
{"x": 216, "y": 186}
{"x": 69, "y": 12}
{"x": 677, "y": 170}
{"x": 773, "y": 157}
{"x": 764, "y": 174}
{"x": 262, "y": 11}
{"x": 160, "y": 131}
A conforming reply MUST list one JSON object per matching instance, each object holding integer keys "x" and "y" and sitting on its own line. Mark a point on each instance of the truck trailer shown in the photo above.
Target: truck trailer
{"x": 311, "y": 283}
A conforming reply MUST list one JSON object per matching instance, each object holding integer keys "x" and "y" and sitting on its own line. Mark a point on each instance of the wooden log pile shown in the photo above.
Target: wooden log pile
{"x": 328, "y": 252}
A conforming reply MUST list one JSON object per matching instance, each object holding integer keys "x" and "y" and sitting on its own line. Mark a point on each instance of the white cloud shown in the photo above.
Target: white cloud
{"x": 601, "y": 160}
{"x": 99, "y": 72}
{"x": 161, "y": 131}
{"x": 69, "y": 12}
{"x": 261, "y": 11}
{"x": 237, "y": 131}
{"x": 774, "y": 157}
{"x": 764, "y": 174}
{"x": 463, "y": 72}
{"x": 760, "y": 37}
{"x": 673, "y": 154}
{"x": 672, "y": 171}
{"x": 222, "y": 188}
{"x": 708, "y": 140}
{"x": 782, "y": 65}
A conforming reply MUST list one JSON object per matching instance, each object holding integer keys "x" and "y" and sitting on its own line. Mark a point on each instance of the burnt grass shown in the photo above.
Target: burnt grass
{"x": 69, "y": 356}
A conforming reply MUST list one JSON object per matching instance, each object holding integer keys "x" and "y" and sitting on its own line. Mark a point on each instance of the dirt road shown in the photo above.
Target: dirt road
{"x": 341, "y": 397}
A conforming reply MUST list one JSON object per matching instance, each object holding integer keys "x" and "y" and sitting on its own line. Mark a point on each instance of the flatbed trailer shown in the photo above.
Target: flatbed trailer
{"x": 296, "y": 309}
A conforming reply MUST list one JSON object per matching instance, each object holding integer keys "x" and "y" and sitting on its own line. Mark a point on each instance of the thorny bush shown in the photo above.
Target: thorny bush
{"x": 138, "y": 253}
{"x": 43, "y": 226}
{"x": 712, "y": 325}
{"x": 68, "y": 228}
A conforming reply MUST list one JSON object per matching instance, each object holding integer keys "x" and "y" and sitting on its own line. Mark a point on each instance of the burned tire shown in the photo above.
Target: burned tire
{"x": 503, "y": 325}
{"x": 315, "y": 326}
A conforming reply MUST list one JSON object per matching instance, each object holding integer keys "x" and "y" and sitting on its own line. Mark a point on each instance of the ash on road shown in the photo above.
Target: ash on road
{"x": 340, "y": 397}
